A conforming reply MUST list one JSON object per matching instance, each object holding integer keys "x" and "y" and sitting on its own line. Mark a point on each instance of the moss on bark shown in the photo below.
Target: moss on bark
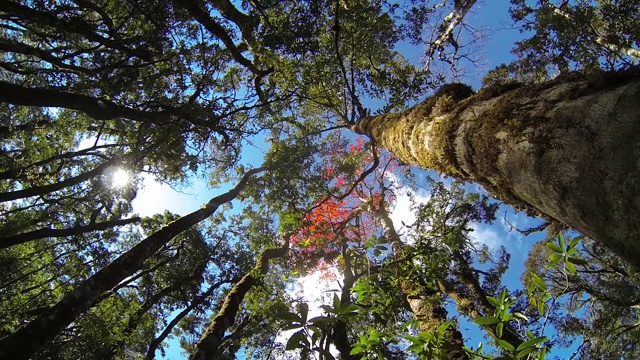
{"x": 567, "y": 149}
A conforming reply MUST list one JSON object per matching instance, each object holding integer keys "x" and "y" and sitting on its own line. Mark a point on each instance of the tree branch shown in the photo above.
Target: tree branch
{"x": 217, "y": 30}
{"x": 45, "y": 189}
{"x": 449, "y": 24}
{"x": 151, "y": 352}
{"x": 9, "y": 241}
{"x": 25, "y": 342}
{"x": 225, "y": 318}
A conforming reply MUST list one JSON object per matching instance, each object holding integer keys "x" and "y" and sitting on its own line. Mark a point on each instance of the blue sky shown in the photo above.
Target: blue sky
{"x": 491, "y": 15}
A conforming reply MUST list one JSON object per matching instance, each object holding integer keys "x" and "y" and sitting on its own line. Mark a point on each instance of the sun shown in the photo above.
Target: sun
{"x": 119, "y": 178}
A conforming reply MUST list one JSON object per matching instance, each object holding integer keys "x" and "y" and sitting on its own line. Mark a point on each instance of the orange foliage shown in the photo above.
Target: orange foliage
{"x": 334, "y": 223}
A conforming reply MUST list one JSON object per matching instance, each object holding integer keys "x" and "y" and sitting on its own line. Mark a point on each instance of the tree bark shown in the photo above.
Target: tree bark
{"x": 26, "y": 342}
{"x": 97, "y": 108}
{"x": 568, "y": 148}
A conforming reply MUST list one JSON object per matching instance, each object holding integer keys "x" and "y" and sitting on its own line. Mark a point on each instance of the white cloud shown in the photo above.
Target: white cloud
{"x": 402, "y": 211}
{"x": 315, "y": 289}
{"x": 154, "y": 197}
{"x": 486, "y": 236}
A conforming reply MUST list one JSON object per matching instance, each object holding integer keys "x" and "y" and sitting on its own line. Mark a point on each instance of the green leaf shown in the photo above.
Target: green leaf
{"x": 541, "y": 306}
{"x": 443, "y": 327}
{"x": 532, "y": 342}
{"x": 328, "y": 309}
{"x": 344, "y": 316}
{"x": 295, "y": 340}
{"x": 504, "y": 314}
{"x": 493, "y": 301}
{"x": 499, "y": 328}
{"x": 506, "y": 345}
{"x": 525, "y": 352}
{"x": 553, "y": 260}
{"x": 530, "y": 334}
{"x": 289, "y": 316}
{"x": 503, "y": 296}
{"x": 570, "y": 267}
{"x": 520, "y": 315}
{"x": 426, "y": 336}
{"x": 530, "y": 287}
{"x": 555, "y": 248}
{"x": 538, "y": 281}
{"x": 487, "y": 320}
{"x": 371, "y": 241}
{"x": 316, "y": 330}
{"x": 413, "y": 339}
{"x": 349, "y": 307}
{"x": 542, "y": 354}
{"x": 577, "y": 260}
{"x": 321, "y": 320}
{"x": 469, "y": 351}
{"x": 303, "y": 310}
{"x": 375, "y": 335}
{"x": 561, "y": 242}
{"x": 573, "y": 243}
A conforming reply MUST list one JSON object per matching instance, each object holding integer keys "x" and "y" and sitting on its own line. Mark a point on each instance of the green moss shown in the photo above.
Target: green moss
{"x": 510, "y": 115}
{"x": 435, "y": 107}
{"x": 444, "y": 109}
{"x": 456, "y": 91}
{"x": 480, "y": 141}
{"x": 496, "y": 89}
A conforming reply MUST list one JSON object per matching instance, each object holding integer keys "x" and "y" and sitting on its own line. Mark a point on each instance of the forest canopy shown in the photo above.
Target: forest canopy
{"x": 313, "y": 125}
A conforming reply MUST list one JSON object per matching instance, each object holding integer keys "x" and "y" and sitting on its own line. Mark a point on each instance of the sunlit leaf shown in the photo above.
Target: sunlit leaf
{"x": 506, "y": 345}
{"x": 487, "y": 320}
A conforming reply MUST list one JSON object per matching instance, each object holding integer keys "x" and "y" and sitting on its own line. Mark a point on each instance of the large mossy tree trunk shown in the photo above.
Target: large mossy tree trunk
{"x": 568, "y": 149}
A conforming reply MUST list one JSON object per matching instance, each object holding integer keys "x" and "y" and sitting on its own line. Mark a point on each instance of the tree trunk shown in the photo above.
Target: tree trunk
{"x": 568, "y": 148}
{"x": 225, "y": 318}
{"x": 429, "y": 314}
{"x": 155, "y": 343}
{"x": 26, "y": 342}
